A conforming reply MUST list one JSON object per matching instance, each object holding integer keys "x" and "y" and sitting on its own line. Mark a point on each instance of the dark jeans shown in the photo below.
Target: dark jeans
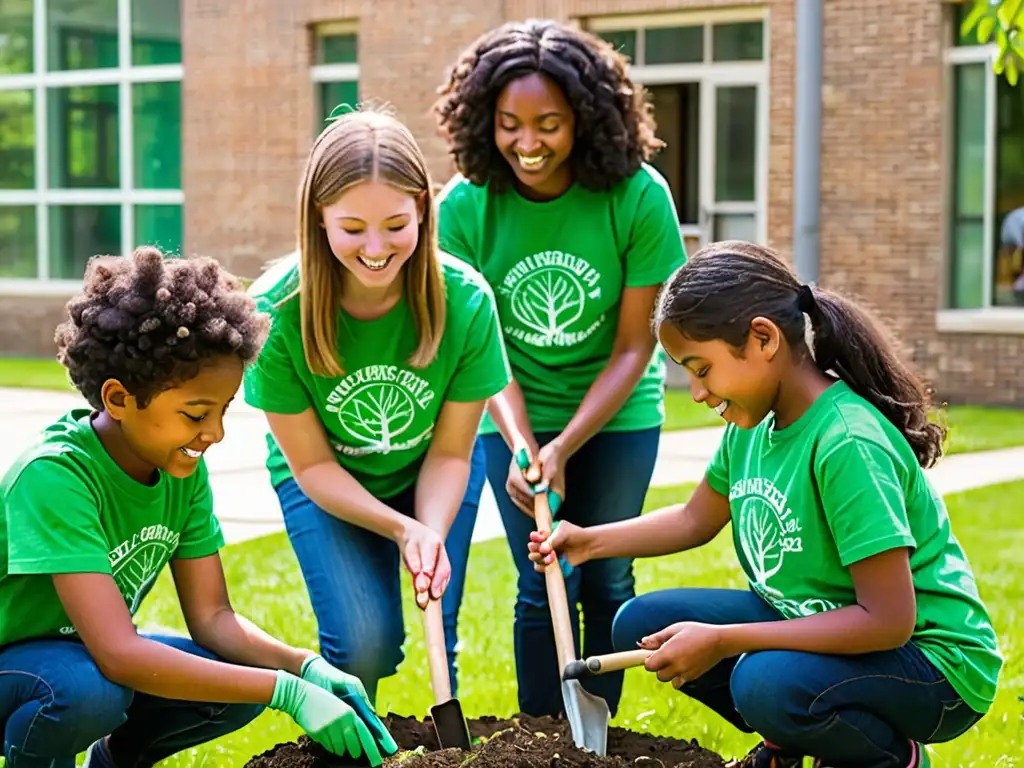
{"x": 55, "y": 702}
{"x": 353, "y": 579}
{"x": 605, "y": 481}
{"x": 849, "y": 711}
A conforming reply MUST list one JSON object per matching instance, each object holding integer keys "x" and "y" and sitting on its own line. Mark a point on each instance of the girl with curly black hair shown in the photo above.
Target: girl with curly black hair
{"x": 108, "y": 496}
{"x": 557, "y": 206}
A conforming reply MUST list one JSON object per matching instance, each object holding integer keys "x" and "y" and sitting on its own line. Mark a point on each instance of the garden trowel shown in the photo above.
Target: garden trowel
{"x": 449, "y": 722}
{"x": 588, "y": 715}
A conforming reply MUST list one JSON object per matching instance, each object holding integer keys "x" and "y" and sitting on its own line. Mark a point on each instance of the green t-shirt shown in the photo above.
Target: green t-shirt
{"x": 69, "y": 508}
{"x": 558, "y": 270}
{"x": 380, "y": 416}
{"x": 839, "y": 485}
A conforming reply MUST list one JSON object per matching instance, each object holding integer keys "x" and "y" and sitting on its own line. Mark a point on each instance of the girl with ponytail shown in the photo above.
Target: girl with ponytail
{"x": 862, "y": 637}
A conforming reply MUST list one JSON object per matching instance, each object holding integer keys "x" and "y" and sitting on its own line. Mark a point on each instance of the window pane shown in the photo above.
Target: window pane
{"x": 967, "y": 236}
{"x": 624, "y": 41}
{"x": 16, "y": 38}
{"x": 156, "y": 128}
{"x": 79, "y": 232}
{"x": 81, "y": 34}
{"x": 18, "y": 241}
{"x": 333, "y": 94}
{"x": 83, "y": 137}
{"x": 1008, "y": 274}
{"x": 338, "y": 49}
{"x": 735, "y": 226}
{"x": 735, "y": 143}
{"x": 159, "y": 225}
{"x": 17, "y": 140}
{"x": 738, "y": 42}
{"x": 673, "y": 45}
{"x": 156, "y": 32}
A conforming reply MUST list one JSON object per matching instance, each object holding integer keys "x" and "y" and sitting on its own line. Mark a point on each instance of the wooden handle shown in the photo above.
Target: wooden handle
{"x": 613, "y": 662}
{"x": 433, "y": 623}
{"x": 558, "y": 600}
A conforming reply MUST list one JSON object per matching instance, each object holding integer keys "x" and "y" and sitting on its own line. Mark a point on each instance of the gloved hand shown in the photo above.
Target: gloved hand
{"x": 349, "y": 688}
{"x": 554, "y": 502}
{"x": 324, "y": 717}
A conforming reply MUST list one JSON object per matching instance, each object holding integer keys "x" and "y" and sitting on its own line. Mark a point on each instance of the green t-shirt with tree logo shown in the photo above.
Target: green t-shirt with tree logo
{"x": 69, "y": 508}
{"x": 558, "y": 270}
{"x": 379, "y": 417}
{"x": 839, "y": 485}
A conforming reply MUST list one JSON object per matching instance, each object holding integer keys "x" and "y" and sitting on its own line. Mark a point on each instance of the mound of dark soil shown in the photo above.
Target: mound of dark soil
{"x": 519, "y": 742}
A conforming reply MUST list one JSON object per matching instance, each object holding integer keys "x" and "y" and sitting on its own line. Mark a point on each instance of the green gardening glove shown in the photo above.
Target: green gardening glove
{"x": 325, "y": 718}
{"x": 349, "y": 688}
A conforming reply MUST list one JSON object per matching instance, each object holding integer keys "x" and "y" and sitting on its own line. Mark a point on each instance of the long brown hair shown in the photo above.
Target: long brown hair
{"x": 364, "y": 145}
{"x": 717, "y": 293}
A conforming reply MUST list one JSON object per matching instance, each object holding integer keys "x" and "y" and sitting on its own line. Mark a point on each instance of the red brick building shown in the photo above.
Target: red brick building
{"x": 126, "y": 121}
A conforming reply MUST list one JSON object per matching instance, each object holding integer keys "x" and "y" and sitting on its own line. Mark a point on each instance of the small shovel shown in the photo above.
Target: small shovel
{"x": 588, "y": 715}
{"x": 449, "y": 722}
{"x": 609, "y": 662}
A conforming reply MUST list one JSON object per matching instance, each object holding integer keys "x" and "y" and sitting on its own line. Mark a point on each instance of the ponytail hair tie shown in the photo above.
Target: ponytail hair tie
{"x": 805, "y": 300}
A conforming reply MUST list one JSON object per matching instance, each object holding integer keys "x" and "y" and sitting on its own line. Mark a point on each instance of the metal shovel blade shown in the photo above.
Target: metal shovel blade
{"x": 588, "y": 717}
{"x": 450, "y": 725}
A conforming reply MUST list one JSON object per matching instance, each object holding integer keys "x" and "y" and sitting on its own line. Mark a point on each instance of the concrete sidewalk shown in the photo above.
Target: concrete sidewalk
{"x": 247, "y": 506}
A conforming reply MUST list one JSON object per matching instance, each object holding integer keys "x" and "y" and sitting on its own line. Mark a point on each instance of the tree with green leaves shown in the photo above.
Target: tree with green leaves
{"x": 1000, "y": 22}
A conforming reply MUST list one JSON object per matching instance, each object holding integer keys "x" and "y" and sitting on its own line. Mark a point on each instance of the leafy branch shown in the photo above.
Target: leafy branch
{"x": 1001, "y": 22}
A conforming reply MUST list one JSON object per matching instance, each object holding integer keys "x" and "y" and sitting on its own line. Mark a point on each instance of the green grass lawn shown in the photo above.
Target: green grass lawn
{"x": 267, "y": 587}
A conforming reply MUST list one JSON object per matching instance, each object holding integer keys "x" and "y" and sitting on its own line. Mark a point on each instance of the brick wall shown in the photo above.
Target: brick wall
{"x": 249, "y": 115}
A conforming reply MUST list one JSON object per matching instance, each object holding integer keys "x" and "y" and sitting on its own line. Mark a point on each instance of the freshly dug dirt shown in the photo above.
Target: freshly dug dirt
{"x": 520, "y": 742}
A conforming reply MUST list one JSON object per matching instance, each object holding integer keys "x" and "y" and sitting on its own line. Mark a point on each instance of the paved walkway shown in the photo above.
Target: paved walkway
{"x": 247, "y": 507}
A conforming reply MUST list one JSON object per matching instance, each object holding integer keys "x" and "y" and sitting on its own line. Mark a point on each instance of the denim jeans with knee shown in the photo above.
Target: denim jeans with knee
{"x": 55, "y": 702}
{"x": 606, "y": 481}
{"x": 850, "y": 711}
{"x": 353, "y": 579}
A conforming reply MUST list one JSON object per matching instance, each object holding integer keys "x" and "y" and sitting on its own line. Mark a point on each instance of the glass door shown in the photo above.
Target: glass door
{"x": 734, "y": 133}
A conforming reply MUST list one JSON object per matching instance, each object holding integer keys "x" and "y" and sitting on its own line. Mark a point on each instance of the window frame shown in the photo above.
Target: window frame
{"x": 987, "y": 318}
{"x": 321, "y": 74}
{"x": 41, "y": 196}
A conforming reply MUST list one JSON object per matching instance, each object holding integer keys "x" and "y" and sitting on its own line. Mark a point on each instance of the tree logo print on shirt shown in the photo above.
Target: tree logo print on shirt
{"x": 546, "y": 294}
{"x": 136, "y": 562}
{"x": 377, "y": 407}
{"x": 767, "y": 530}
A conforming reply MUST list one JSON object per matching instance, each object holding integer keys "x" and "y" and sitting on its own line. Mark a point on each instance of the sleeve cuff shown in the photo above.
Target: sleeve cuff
{"x": 482, "y": 392}
{"x": 876, "y": 546}
{"x": 210, "y": 545}
{"x": 67, "y": 564}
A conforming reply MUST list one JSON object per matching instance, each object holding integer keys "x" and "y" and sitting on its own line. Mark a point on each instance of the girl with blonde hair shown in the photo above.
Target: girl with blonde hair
{"x": 380, "y": 359}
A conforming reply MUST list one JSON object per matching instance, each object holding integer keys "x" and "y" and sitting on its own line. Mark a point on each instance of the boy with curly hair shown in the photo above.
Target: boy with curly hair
{"x": 105, "y": 498}
{"x": 557, "y": 205}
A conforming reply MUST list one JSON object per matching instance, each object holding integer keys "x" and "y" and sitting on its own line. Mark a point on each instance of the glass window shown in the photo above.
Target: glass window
{"x": 156, "y": 135}
{"x": 738, "y": 42}
{"x": 17, "y": 140}
{"x": 968, "y": 216}
{"x": 333, "y": 94}
{"x": 735, "y": 143}
{"x": 83, "y": 131}
{"x": 338, "y": 49}
{"x": 156, "y": 32}
{"x": 16, "y": 38}
{"x": 1008, "y": 272}
{"x": 159, "y": 225}
{"x": 673, "y": 45}
{"x": 79, "y": 232}
{"x": 624, "y": 41}
{"x": 81, "y": 34}
{"x": 17, "y": 241}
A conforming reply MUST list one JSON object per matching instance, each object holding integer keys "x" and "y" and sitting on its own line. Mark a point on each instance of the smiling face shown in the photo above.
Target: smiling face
{"x": 533, "y": 128}
{"x": 373, "y": 230}
{"x": 741, "y": 385}
{"x": 177, "y": 425}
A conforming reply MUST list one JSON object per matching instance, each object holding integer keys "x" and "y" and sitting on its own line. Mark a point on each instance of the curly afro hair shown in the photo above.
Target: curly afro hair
{"x": 152, "y": 322}
{"x": 614, "y": 121}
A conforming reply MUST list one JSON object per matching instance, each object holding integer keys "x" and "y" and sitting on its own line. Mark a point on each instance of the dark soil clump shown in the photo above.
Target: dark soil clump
{"x": 520, "y": 742}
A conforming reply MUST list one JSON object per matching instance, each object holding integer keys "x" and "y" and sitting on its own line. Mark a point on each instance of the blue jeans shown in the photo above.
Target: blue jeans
{"x": 849, "y": 711}
{"x": 606, "y": 480}
{"x": 55, "y": 702}
{"x": 353, "y": 579}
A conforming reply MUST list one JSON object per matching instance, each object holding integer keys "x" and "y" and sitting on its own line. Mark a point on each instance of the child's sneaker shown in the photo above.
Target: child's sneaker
{"x": 767, "y": 755}
{"x": 918, "y": 758}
